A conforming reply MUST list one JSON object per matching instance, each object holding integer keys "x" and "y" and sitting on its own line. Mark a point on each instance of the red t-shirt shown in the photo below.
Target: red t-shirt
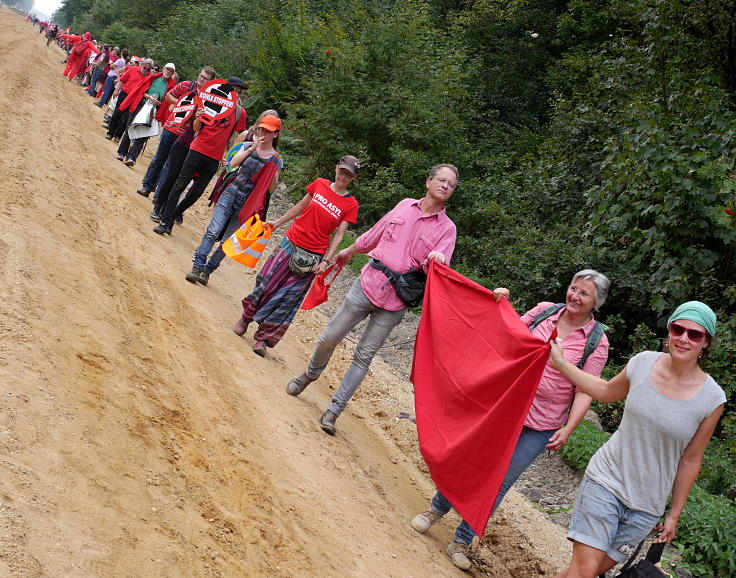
{"x": 177, "y": 92}
{"x": 326, "y": 210}
{"x": 211, "y": 140}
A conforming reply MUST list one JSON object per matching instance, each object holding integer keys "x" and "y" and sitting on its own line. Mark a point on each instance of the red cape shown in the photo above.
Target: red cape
{"x": 257, "y": 201}
{"x": 476, "y": 370}
{"x": 139, "y": 89}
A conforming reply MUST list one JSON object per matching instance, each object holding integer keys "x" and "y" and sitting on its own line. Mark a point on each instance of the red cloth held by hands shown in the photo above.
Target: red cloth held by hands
{"x": 475, "y": 372}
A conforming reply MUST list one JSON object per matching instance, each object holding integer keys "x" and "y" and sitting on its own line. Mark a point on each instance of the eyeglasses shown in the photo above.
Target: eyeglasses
{"x": 694, "y": 335}
{"x": 583, "y": 294}
{"x": 447, "y": 182}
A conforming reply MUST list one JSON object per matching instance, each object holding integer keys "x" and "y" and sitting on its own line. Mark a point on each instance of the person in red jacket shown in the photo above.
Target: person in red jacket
{"x": 151, "y": 88}
{"x": 128, "y": 80}
{"x": 78, "y": 55}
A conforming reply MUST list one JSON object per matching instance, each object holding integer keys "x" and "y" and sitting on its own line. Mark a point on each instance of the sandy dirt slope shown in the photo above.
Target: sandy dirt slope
{"x": 138, "y": 435}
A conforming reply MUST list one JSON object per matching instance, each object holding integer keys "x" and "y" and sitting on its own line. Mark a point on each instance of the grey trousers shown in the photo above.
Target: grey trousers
{"x": 353, "y": 310}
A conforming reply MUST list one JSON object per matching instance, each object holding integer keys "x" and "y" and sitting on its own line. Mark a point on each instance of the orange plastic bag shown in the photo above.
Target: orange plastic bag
{"x": 248, "y": 243}
{"x": 318, "y": 293}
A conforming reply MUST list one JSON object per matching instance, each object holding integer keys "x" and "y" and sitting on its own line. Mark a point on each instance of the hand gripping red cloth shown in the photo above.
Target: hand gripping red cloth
{"x": 475, "y": 372}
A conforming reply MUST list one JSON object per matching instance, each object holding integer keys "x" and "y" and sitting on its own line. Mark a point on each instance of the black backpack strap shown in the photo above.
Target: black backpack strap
{"x": 596, "y": 334}
{"x": 546, "y": 312}
{"x": 654, "y": 554}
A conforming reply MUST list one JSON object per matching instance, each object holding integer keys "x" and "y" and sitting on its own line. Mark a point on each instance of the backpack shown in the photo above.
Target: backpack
{"x": 79, "y": 49}
{"x": 593, "y": 339}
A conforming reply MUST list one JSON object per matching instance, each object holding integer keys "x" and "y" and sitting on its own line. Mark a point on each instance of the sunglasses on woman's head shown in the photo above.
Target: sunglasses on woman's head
{"x": 693, "y": 335}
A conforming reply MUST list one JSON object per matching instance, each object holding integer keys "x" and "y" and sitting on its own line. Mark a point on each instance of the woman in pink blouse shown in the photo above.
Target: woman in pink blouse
{"x": 558, "y": 406}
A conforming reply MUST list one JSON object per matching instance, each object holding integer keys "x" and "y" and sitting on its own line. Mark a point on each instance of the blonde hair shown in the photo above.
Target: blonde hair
{"x": 254, "y": 126}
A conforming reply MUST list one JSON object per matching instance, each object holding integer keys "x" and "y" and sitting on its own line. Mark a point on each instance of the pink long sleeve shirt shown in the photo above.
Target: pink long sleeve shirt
{"x": 555, "y": 394}
{"x": 400, "y": 240}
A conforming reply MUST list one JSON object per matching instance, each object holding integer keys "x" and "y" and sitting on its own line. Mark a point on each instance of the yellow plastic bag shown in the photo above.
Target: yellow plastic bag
{"x": 248, "y": 243}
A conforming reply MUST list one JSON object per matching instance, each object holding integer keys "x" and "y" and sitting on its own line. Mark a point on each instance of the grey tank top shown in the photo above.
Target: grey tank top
{"x": 639, "y": 462}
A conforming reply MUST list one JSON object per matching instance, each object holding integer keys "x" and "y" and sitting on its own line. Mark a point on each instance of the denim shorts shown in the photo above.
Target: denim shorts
{"x": 602, "y": 521}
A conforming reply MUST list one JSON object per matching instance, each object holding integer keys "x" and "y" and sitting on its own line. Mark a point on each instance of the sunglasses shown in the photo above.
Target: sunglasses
{"x": 694, "y": 335}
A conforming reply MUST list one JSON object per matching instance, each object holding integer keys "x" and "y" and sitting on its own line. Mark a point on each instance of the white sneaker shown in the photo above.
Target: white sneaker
{"x": 424, "y": 521}
{"x": 458, "y": 553}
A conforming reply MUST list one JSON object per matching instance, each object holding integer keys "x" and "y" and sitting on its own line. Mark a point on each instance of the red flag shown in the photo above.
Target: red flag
{"x": 475, "y": 372}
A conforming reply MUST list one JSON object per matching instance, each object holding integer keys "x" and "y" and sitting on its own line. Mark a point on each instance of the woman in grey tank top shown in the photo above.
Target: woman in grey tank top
{"x": 672, "y": 408}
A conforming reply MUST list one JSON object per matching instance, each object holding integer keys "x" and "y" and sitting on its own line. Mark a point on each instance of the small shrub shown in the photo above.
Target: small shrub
{"x": 706, "y": 534}
{"x": 583, "y": 443}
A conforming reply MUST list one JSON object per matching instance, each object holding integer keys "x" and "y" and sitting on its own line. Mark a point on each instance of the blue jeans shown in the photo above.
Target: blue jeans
{"x": 93, "y": 81}
{"x": 165, "y": 142}
{"x": 223, "y": 217}
{"x": 109, "y": 86}
{"x": 530, "y": 444}
{"x": 353, "y": 310}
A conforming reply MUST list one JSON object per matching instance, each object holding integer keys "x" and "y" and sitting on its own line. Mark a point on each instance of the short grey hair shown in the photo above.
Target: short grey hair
{"x": 436, "y": 168}
{"x": 601, "y": 284}
{"x": 148, "y": 61}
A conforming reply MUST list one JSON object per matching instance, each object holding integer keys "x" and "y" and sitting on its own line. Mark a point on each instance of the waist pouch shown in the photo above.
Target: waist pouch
{"x": 303, "y": 262}
{"x": 409, "y": 286}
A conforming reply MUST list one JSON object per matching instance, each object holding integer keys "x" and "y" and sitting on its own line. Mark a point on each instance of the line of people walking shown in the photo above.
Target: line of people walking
{"x": 672, "y": 405}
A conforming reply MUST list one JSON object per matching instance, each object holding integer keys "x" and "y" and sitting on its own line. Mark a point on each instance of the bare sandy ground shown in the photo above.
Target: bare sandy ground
{"x": 138, "y": 435}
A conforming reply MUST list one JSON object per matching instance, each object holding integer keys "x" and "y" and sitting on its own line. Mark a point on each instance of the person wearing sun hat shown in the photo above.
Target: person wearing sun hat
{"x": 260, "y": 156}
{"x": 672, "y": 409}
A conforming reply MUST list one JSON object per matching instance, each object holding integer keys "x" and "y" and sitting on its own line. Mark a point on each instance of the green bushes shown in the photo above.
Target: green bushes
{"x": 706, "y": 535}
{"x": 583, "y": 443}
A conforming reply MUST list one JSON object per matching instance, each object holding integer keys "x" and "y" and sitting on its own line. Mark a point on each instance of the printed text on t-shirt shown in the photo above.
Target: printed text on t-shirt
{"x": 334, "y": 210}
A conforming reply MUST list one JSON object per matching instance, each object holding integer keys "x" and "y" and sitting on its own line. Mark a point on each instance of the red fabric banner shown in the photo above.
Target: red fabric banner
{"x": 475, "y": 372}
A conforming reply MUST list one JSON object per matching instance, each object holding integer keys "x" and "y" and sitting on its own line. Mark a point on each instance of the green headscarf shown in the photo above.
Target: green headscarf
{"x": 698, "y": 312}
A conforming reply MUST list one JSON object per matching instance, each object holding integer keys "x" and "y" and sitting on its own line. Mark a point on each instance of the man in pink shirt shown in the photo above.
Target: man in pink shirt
{"x": 412, "y": 233}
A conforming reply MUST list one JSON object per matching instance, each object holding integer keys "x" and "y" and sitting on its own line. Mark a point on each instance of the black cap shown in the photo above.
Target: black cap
{"x": 235, "y": 81}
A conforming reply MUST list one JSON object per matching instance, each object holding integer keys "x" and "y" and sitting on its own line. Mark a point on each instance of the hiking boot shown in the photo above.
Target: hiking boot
{"x": 204, "y": 277}
{"x": 179, "y": 220}
{"x": 143, "y": 192}
{"x": 458, "y": 553}
{"x": 260, "y": 348}
{"x": 298, "y": 384}
{"x": 193, "y": 275}
{"x": 424, "y": 521}
{"x": 240, "y": 327}
{"x": 155, "y": 217}
{"x": 163, "y": 228}
{"x": 327, "y": 422}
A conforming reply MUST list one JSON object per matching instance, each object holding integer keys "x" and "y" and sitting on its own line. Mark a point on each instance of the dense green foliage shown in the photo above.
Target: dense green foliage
{"x": 588, "y": 133}
{"x": 706, "y": 534}
{"x": 583, "y": 443}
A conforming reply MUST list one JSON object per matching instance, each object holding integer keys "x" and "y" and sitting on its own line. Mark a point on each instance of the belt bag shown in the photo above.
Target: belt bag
{"x": 303, "y": 262}
{"x": 409, "y": 286}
